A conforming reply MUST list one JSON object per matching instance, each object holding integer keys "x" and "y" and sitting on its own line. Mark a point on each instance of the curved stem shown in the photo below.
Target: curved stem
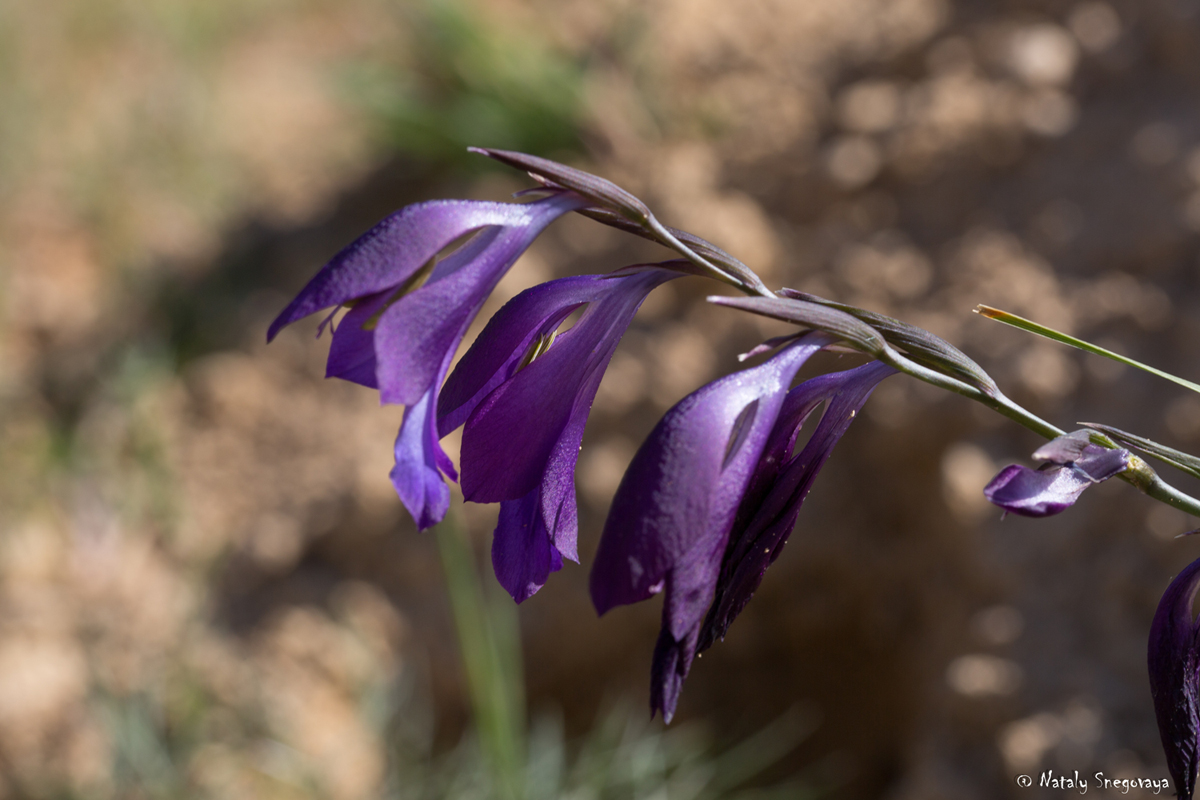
{"x": 1138, "y": 474}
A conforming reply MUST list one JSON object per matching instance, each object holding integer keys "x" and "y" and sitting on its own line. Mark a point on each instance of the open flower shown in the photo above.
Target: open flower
{"x": 1174, "y": 662}
{"x": 525, "y": 393}
{"x": 401, "y": 333}
{"x": 711, "y": 458}
{"x": 1072, "y": 465}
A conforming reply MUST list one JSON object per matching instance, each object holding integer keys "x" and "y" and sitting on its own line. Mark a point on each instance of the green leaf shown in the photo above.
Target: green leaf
{"x": 1088, "y": 347}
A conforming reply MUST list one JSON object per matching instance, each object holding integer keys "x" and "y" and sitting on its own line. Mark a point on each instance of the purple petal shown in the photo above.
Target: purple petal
{"x": 352, "y": 350}
{"x": 1053, "y": 488}
{"x": 780, "y": 485}
{"x": 1065, "y": 448}
{"x": 390, "y": 253}
{"x": 1100, "y": 463}
{"x": 1175, "y": 678}
{"x": 522, "y": 553}
{"x": 502, "y": 345}
{"x": 670, "y": 520}
{"x": 510, "y": 437}
{"x": 543, "y": 522}
{"x": 672, "y": 661}
{"x": 415, "y": 332}
{"x": 681, "y": 490}
{"x": 417, "y": 475}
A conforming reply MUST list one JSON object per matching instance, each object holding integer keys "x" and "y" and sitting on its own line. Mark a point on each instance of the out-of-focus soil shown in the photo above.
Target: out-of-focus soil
{"x": 199, "y": 545}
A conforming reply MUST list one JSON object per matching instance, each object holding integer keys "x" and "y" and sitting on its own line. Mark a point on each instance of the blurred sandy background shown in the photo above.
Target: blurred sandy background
{"x": 207, "y": 585}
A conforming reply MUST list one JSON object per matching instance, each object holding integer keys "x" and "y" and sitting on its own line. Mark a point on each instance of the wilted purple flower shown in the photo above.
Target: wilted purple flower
{"x": 721, "y": 449}
{"x": 525, "y": 396}
{"x": 1072, "y": 465}
{"x": 400, "y": 334}
{"x": 1174, "y": 662}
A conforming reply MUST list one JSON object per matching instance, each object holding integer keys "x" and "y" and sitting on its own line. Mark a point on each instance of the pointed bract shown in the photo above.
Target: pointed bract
{"x": 599, "y": 190}
{"x": 855, "y": 333}
{"x": 1174, "y": 666}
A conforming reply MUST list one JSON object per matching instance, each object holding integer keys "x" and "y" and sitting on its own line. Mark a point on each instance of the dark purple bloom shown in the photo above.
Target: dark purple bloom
{"x": 779, "y": 485}
{"x": 716, "y": 463}
{"x": 1072, "y": 465}
{"x": 1174, "y": 663}
{"x": 401, "y": 334}
{"x": 524, "y": 395}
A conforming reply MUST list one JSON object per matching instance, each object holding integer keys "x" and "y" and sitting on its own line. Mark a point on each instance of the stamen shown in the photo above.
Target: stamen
{"x": 537, "y": 348}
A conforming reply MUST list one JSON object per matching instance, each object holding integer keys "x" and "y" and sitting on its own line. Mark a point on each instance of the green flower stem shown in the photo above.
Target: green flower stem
{"x": 1142, "y": 477}
{"x": 489, "y": 638}
{"x": 1138, "y": 474}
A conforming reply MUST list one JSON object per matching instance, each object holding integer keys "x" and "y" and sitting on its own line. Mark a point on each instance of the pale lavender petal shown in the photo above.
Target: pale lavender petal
{"x": 1174, "y": 665}
{"x": 1100, "y": 463}
{"x": 522, "y": 554}
{"x": 1065, "y": 448}
{"x": 1054, "y": 487}
{"x": 417, "y": 330}
{"x": 677, "y": 500}
{"x": 1036, "y": 493}
{"x": 768, "y": 513}
{"x": 416, "y": 475}
{"x": 390, "y": 253}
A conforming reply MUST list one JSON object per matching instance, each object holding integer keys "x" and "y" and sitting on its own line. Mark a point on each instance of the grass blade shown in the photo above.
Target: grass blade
{"x": 1087, "y": 347}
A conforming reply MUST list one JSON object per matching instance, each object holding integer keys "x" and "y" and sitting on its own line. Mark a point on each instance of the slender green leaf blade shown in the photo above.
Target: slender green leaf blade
{"x": 1087, "y": 347}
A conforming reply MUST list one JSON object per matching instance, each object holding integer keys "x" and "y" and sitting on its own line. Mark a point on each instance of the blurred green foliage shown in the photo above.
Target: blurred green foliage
{"x": 468, "y": 82}
{"x": 624, "y": 757}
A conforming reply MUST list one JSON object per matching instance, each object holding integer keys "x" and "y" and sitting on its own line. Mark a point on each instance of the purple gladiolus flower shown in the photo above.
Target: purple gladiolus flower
{"x": 1174, "y": 662}
{"x": 717, "y": 453}
{"x": 1072, "y": 465}
{"x": 780, "y": 484}
{"x": 400, "y": 334}
{"x": 525, "y": 395}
